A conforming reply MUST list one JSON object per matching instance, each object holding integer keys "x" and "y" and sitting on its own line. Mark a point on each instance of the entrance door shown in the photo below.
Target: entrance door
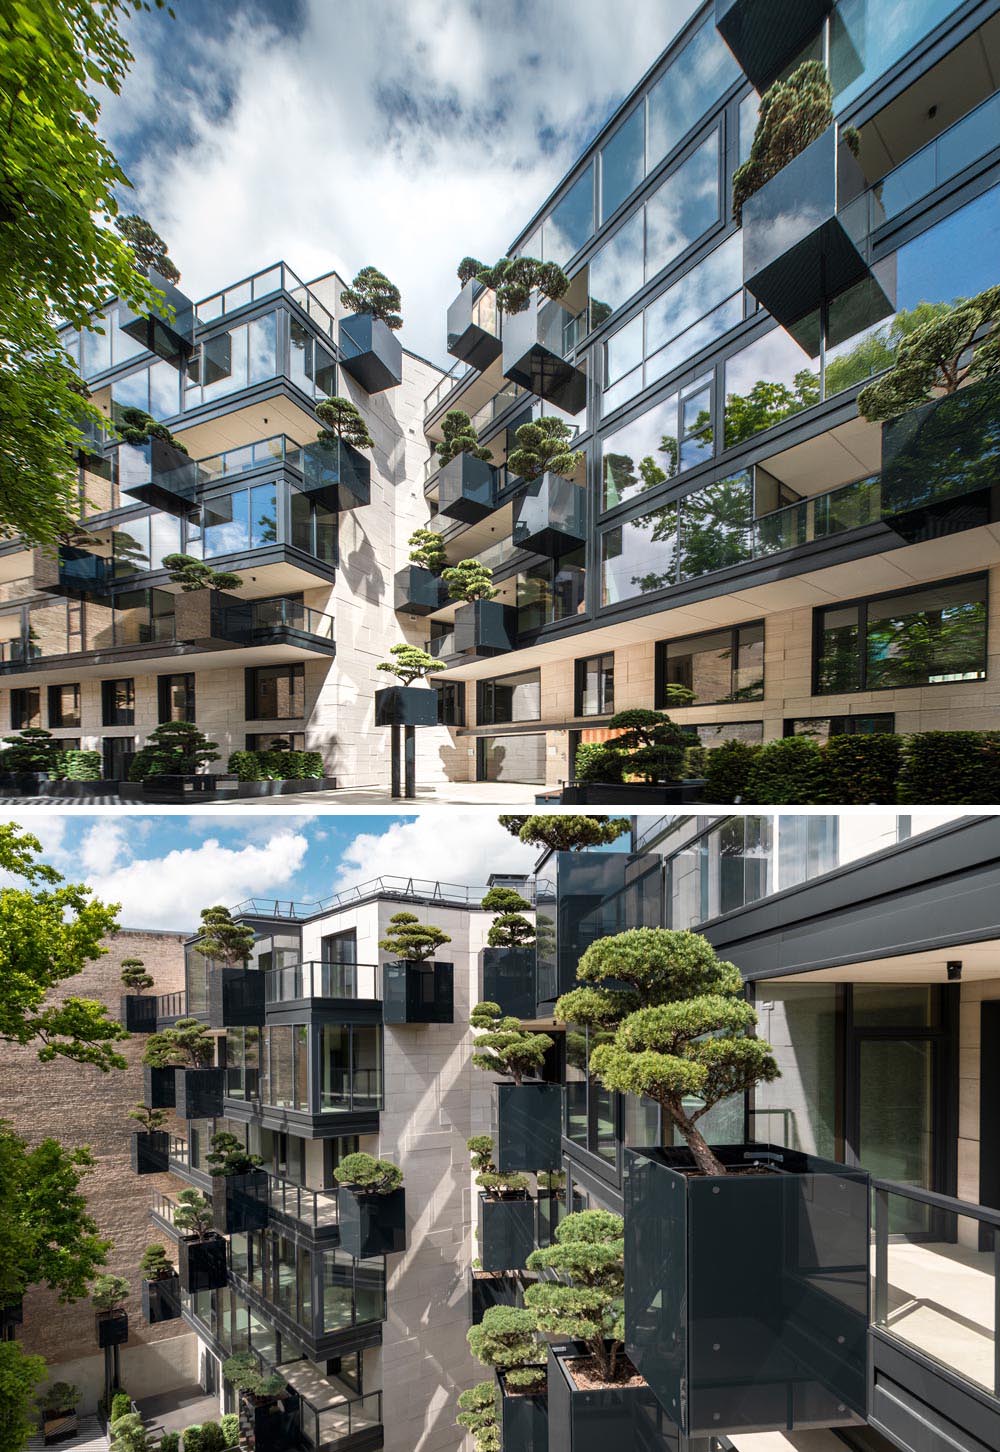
{"x": 512, "y": 758}
{"x": 118, "y": 753}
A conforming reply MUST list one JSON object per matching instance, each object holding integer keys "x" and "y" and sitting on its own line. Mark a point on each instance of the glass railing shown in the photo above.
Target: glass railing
{"x": 278, "y": 278}
{"x": 345, "y": 1089}
{"x": 265, "y": 452}
{"x": 971, "y": 138}
{"x": 180, "y": 1151}
{"x": 401, "y": 888}
{"x": 848, "y": 507}
{"x": 281, "y": 613}
{"x": 314, "y": 1208}
{"x": 326, "y": 1426}
{"x": 163, "y": 1208}
{"x": 498, "y": 554}
{"x": 321, "y": 980}
{"x": 935, "y": 1278}
{"x": 456, "y": 375}
{"x": 442, "y": 645}
{"x": 171, "y": 1005}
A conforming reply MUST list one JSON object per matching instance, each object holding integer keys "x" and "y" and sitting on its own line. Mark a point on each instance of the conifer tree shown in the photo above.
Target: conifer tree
{"x": 542, "y": 448}
{"x": 344, "y": 423}
{"x": 372, "y": 292}
{"x": 502, "y": 1046}
{"x": 509, "y": 928}
{"x": 411, "y": 940}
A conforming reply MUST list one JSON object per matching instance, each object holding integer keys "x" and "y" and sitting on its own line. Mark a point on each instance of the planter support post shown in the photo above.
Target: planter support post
{"x": 410, "y": 761}
{"x": 395, "y": 762}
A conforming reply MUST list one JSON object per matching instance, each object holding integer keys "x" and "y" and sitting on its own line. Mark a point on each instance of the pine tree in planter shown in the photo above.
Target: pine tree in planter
{"x": 268, "y": 1403}
{"x": 508, "y": 929}
{"x": 467, "y": 481}
{"x": 138, "y": 1013}
{"x": 478, "y": 1415}
{"x": 372, "y": 292}
{"x": 334, "y": 469}
{"x": 108, "y": 1295}
{"x": 427, "y": 550}
{"x": 566, "y": 833}
{"x": 506, "y": 1340}
{"x": 481, "y": 624}
{"x": 528, "y": 1115}
{"x": 160, "y": 1286}
{"x": 415, "y": 990}
{"x": 506, "y": 1214}
{"x": 175, "y": 749}
{"x": 370, "y": 351}
{"x": 509, "y": 957}
{"x": 419, "y": 590}
{"x": 192, "y": 575}
{"x": 407, "y": 705}
{"x": 235, "y": 993}
{"x": 239, "y": 1186}
{"x": 371, "y": 1203}
{"x": 189, "y": 1049}
{"x": 151, "y": 1144}
{"x": 201, "y": 1251}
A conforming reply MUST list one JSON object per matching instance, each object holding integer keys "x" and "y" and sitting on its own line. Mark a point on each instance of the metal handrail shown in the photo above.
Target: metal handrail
{"x": 315, "y": 978}
{"x": 385, "y": 886}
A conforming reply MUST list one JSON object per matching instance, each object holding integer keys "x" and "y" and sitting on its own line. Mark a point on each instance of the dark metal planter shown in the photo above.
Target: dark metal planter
{"x": 161, "y": 1300}
{"x": 290, "y": 786}
{"x": 418, "y": 993}
{"x": 370, "y": 352}
{"x": 489, "y": 1289}
{"x": 550, "y": 517}
{"x": 158, "y": 473}
{"x": 151, "y": 1152}
{"x": 159, "y": 1087}
{"x": 239, "y": 1202}
{"x": 112, "y": 1328}
{"x": 418, "y": 591}
{"x": 336, "y": 474}
{"x": 765, "y": 36}
{"x": 467, "y": 488}
{"x": 533, "y": 355}
{"x": 506, "y": 1232}
{"x": 406, "y": 706}
{"x": 627, "y": 1418}
{"x": 746, "y": 1296}
{"x": 201, "y": 1264}
{"x": 57, "y": 1425}
{"x": 200, "y": 1093}
{"x": 371, "y": 1224}
{"x": 484, "y": 628}
{"x": 171, "y": 338}
{"x": 275, "y": 1423}
{"x": 509, "y": 980}
{"x": 524, "y": 1420}
{"x": 167, "y": 790}
{"x": 138, "y": 1013}
{"x": 529, "y": 1122}
{"x": 473, "y": 326}
{"x": 235, "y": 998}
{"x": 638, "y": 793}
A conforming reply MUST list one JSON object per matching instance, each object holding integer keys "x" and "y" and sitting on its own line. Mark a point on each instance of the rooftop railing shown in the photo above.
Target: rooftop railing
{"x": 404, "y": 888}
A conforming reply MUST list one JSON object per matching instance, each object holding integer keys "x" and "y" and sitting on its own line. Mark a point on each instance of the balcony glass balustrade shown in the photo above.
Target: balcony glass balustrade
{"x": 327, "y": 1425}
{"x": 321, "y": 980}
{"x": 277, "y": 278}
{"x": 963, "y": 144}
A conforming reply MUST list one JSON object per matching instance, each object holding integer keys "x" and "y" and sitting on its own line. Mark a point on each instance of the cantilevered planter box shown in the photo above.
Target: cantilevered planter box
{"x": 940, "y": 464}
{"x": 800, "y": 246}
{"x": 473, "y": 326}
{"x": 239, "y": 1202}
{"x": 406, "y": 706}
{"x": 493, "y": 1288}
{"x": 418, "y": 591}
{"x": 200, "y": 1093}
{"x": 506, "y": 1232}
{"x": 336, "y": 474}
{"x": 371, "y": 1224}
{"x": 484, "y": 627}
{"x": 161, "y": 1299}
{"x": 111, "y": 1328}
{"x": 159, "y": 473}
{"x": 201, "y": 1264}
{"x": 138, "y": 1013}
{"x": 529, "y": 1121}
{"x": 167, "y": 338}
{"x": 746, "y": 1295}
{"x": 626, "y": 1418}
{"x": 524, "y": 1420}
{"x": 509, "y": 980}
{"x": 235, "y": 998}
{"x": 370, "y": 352}
{"x": 275, "y": 1424}
{"x": 550, "y": 517}
{"x": 151, "y": 1152}
{"x": 534, "y": 346}
{"x": 418, "y": 993}
{"x": 766, "y": 35}
{"x": 466, "y": 488}
{"x": 159, "y": 1087}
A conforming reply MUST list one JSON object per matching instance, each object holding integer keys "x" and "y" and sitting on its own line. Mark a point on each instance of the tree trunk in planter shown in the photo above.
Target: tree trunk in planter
{"x": 240, "y": 1202}
{"x": 494, "y": 1288}
{"x": 371, "y": 1224}
{"x": 200, "y": 1093}
{"x": 161, "y": 1299}
{"x": 746, "y": 1295}
{"x": 628, "y": 1418}
{"x": 112, "y": 1328}
{"x": 202, "y": 1264}
{"x": 506, "y": 1232}
{"x": 529, "y": 1124}
{"x": 151, "y": 1152}
{"x": 159, "y": 1087}
{"x": 524, "y": 1419}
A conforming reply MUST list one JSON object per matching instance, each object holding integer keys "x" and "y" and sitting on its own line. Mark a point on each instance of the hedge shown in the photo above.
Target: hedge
{"x": 82, "y": 766}
{"x": 862, "y": 770}
{"x": 787, "y": 771}
{"x": 595, "y": 761}
{"x": 950, "y": 768}
{"x": 727, "y": 772}
{"x": 276, "y": 765}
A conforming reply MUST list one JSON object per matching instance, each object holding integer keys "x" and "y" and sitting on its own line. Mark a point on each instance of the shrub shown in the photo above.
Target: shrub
{"x": 128, "y": 1434}
{"x": 364, "y": 1172}
{"x": 862, "y": 769}
{"x": 121, "y": 1405}
{"x": 513, "y": 279}
{"x": 506, "y": 1339}
{"x": 411, "y": 940}
{"x": 244, "y": 765}
{"x": 134, "y": 975}
{"x": 651, "y": 746}
{"x": 229, "y": 1156}
{"x": 508, "y": 929}
{"x": 597, "y": 761}
{"x": 156, "y": 1264}
{"x": 186, "y": 1044}
{"x": 427, "y": 550}
{"x": 136, "y": 426}
{"x": 60, "y": 1396}
{"x": 109, "y": 1293}
{"x": 584, "y": 1303}
{"x": 344, "y": 422}
{"x": 469, "y": 580}
{"x": 32, "y": 749}
{"x": 727, "y": 772}
{"x": 695, "y": 762}
{"x": 177, "y": 748}
{"x": 502, "y": 1046}
{"x": 460, "y": 437}
{"x": 169, "y": 1442}
{"x": 409, "y": 663}
{"x": 194, "y": 1215}
{"x": 192, "y": 1438}
{"x": 150, "y": 1119}
{"x": 193, "y": 574}
{"x": 230, "y": 1425}
{"x": 787, "y": 771}
{"x": 478, "y": 1415}
{"x": 949, "y": 767}
{"x": 222, "y": 939}
{"x": 82, "y": 765}
{"x": 212, "y": 1438}
{"x": 243, "y": 1373}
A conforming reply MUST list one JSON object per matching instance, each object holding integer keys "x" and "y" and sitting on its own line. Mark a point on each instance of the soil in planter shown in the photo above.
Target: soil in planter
{"x": 584, "y": 1373}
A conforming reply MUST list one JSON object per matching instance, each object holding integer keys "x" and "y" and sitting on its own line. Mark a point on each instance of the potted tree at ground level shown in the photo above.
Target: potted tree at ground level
{"x": 371, "y": 1203}
{"x": 59, "y": 1419}
{"x": 528, "y": 1116}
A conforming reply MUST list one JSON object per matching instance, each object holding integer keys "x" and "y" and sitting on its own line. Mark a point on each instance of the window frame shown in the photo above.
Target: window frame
{"x": 660, "y": 664}
{"x": 33, "y": 718}
{"x": 55, "y": 709}
{"x": 163, "y": 688}
{"x": 579, "y": 684}
{"x": 488, "y": 686}
{"x": 106, "y": 700}
{"x": 250, "y": 688}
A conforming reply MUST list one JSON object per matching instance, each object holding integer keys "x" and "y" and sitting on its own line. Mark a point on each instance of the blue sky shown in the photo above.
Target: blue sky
{"x": 335, "y": 133}
{"x": 164, "y": 869}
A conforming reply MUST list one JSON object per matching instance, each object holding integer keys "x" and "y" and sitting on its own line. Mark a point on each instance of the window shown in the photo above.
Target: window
{"x": 314, "y": 527}
{"x": 595, "y": 685}
{"x": 674, "y": 435}
{"x": 118, "y": 703}
{"x": 719, "y": 666}
{"x": 684, "y": 207}
{"x": 275, "y": 693}
{"x": 930, "y": 636}
{"x": 175, "y": 695}
{"x": 64, "y": 706}
{"x": 242, "y": 521}
{"x": 509, "y": 698}
{"x": 551, "y": 591}
{"x": 25, "y": 708}
{"x": 276, "y": 741}
{"x": 571, "y": 222}
{"x": 451, "y": 703}
{"x": 703, "y": 70}
{"x": 233, "y": 360}
{"x": 716, "y": 733}
{"x": 823, "y": 727}
{"x": 622, "y": 163}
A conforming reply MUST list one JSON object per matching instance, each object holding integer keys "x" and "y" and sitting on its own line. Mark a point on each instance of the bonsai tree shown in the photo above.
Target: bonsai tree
{"x": 244, "y": 1374}
{"x": 193, "y": 1215}
{"x": 506, "y": 1340}
{"x": 937, "y": 358}
{"x": 585, "y": 1303}
{"x": 541, "y": 448}
{"x": 186, "y": 1044}
{"x": 134, "y": 975}
{"x": 148, "y": 247}
{"x": 372, "y": 292}
{"x": 224, "y": 940}
{"x": 136, "y": 426}
{"x": 229, "y": 1156}
{"x": 150, "y": 1119}
{"x": 427, "y": 550}
{"x": 60, "y": 1396}
{"x": 566, "y": 833}
{"x": 652, "y": 745}
{"x": 478, "y": 1415}
{"x": 410, "y": 663}
{"x": 366, "y": 1173}
{"x": 514, "y": 279}
{"x": 344, "y": 424}
{"x": 469, "y": 580}
{"x": 128, "y": 1434}
{"x": 488, "y": 1177}
{"x": 683, "y": 1030}
{"x": 411, "y": 940}
{"x": 508, "y": 929}
{"x": 109, "y": 1293}
{"x": 156, "y": 1264}
{"x": 502, "y": 1046}
{"x": 32, "y": 749}
{"x": 460, "y": 438}
{"x": 177, "y": 748}
{"x": 192, "y": 574}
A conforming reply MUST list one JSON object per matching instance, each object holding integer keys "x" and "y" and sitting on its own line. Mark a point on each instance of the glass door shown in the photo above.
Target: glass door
{"x": 896, "y": 1129}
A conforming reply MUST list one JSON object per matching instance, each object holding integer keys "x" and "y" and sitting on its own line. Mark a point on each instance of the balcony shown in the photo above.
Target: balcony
{"x": 484, "y": 628}
{"x": 347, "y": 1424}
{"x": 335, "y": 982}
{"x": 210, "y": 618}
{"x": 509, "y": 980}
{"x": 370, "y": 352}
{"x": 170, "y": 338}
{"x": 78, "y": 573}
{"x": 550, "y": 517}
{"x": 474, "y": 326}
{"x": 169, "y": 1008}
{"x": 417, "y": 993}
{"x": 235, "y": 998}
{"x": 199, "y": 1093}
{"x": 418, "y": 591}
{"x": 804, "y": 235}
{"x": 370, "y": 1224}
{"x": 765, "y": 36}
{"x": 467, "y": 489}
{"x": 314, "y": 1211}
{"x": 536, "y": 343}
{"x": 156, "y": 473}
{"x": 336, "y": 474}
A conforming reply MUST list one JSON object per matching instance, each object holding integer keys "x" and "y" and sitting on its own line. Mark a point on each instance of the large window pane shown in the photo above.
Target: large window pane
{"x": 719, "y": 666}
{"x": 839, "y": 665}
{"x": 716, "y": 526}
{"x": 767, "y": 382}
{"x": 640, "y": 556}
{"x": 571, "y": 221}
{"x": 705, "y": 68}
{"x": 510, "y": 698}
{"x": 263, "y": 515}
{"x": 684, "y": 207}
{"x": 799, "y": 1110}
{"x": 927, "y": 637}
{"x": 616, "y": 272}
{"x": 622, "y": 163}
{"x": 226, "y": 524}
{"x": 641, "y": 455}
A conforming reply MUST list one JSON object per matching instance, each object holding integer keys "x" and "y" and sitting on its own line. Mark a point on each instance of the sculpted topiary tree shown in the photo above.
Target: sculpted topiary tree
{"x": 229, "y": 1156}
{"x": 192, "y": 574}
{"x": 585, "y": 1303}
{"x": 150, "y": 1119}
{"x": 542, "y": 448}
{"x": 134, "y": 975}
{"x": 186, "y": 1044}
{"x": 566, "y": 833}
{"x": 938, "y": 357}
{"x": 156, "y": 1264}
{"x": 478, "y": 1415}
{"x": 427, "y": 550}
{"x": 460, "y": 437}
{"x": 508, "y": 929}
{"x": 148, "y": 247}
{"x": 488, "y": 1177}
{"x": 506, "y": 1340}
{"x": 502, "y": 1046}
{"x": 372, "y": 292}
{"x": 109, "y": 1293}
{"x": 683, "y": 1029}
{"x": 513, "y": 279}
{"x": 410, "y": 663}
{"x": 469, "y": 580}
{"x": 193, "y": 1215}
{"x": 224, "y": 940}
{"x": 411, "y": 940}
{"x": 650, "y": 745}
{"x": 177, "y": 748}
{"x": 343, "y": 423}
{"x": 365, "y": 1172}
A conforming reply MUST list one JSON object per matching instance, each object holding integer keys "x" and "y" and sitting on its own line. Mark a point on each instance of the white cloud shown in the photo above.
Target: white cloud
{"x": 449, "y": 846}
{"x": 103, "y": 845}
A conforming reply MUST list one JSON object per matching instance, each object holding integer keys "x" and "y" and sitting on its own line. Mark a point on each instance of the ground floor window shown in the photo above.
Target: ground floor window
{"x": 25, "y": 708}
{"x": 118, "y": 702}
{"x": 64, "y": 706}
{"x": 175, "y": 698}
{"x": 451, "y": 703}
{"x": 718, "y": 666}
{"x": 714, "y": 733}
{"x": 511, "y": 758}
{"x": 117, "y": 752}
{"x": 821, "y": 728}
{"x": 275, "y": 693}
{"x": 276, "y": 741}
{"x": 595, "y": 686}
